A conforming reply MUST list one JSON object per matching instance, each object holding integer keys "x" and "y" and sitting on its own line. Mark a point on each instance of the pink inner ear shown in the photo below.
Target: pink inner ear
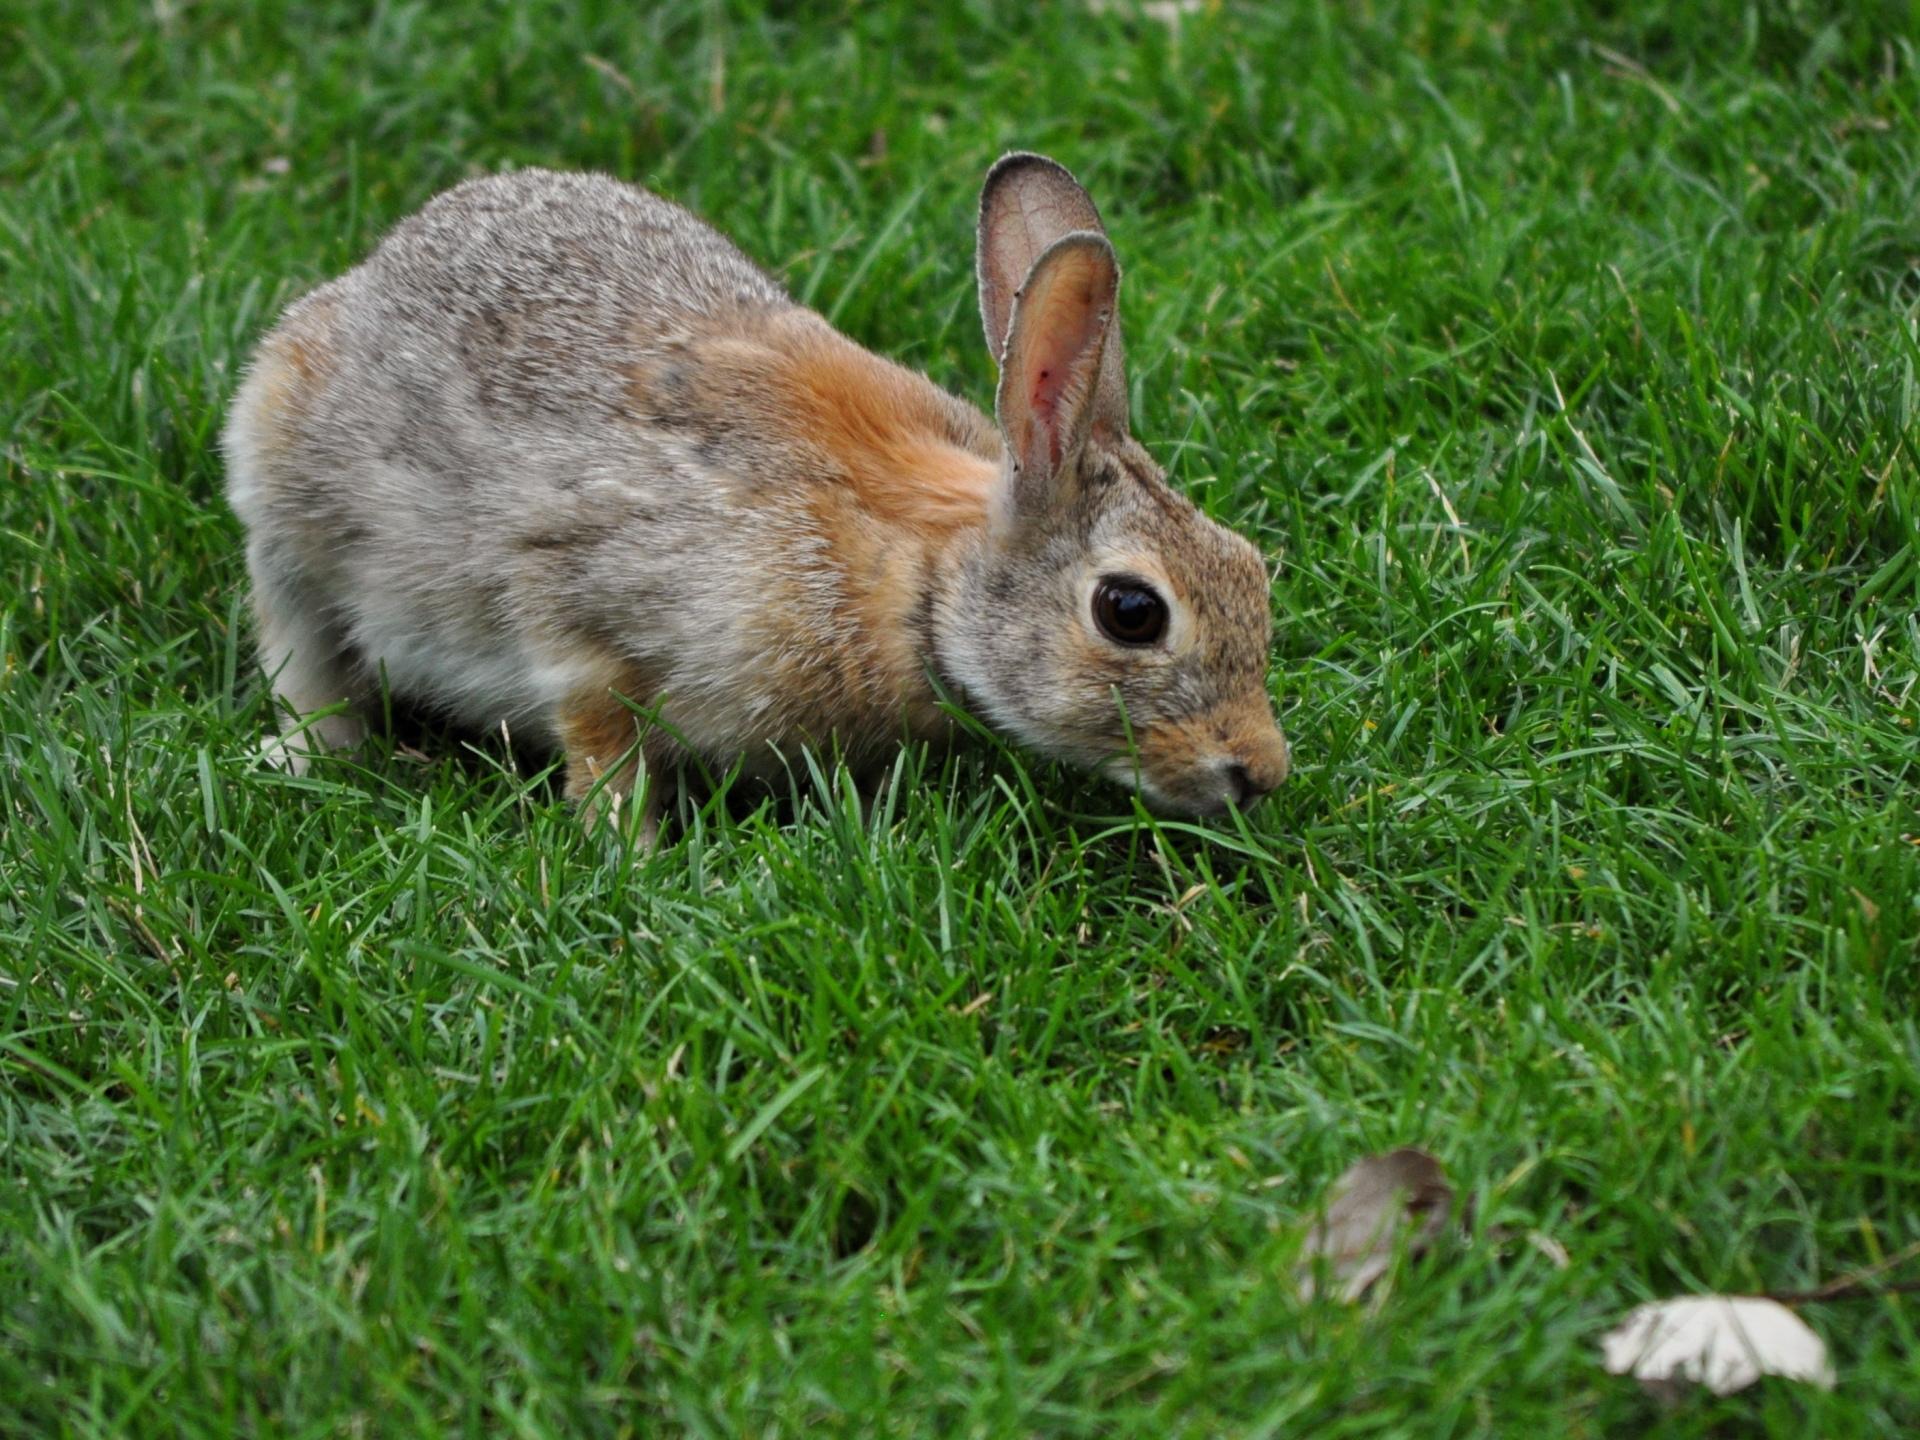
{"x": 1048, "y": 388}
{"x": 1070, "y": 324}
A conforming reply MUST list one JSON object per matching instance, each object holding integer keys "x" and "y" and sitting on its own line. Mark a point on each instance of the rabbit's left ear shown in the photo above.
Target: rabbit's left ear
{"x": 1026, "y": 205}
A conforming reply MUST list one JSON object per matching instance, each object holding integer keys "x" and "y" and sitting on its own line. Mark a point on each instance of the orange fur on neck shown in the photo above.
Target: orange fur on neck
{"x": 889, "y": 433}
{"x": 890, "y": 472}
{"x": 916, "y": 471}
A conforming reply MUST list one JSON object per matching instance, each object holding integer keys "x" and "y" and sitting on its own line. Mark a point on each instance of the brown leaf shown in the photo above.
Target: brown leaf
{"x": 1377, "y": 1202}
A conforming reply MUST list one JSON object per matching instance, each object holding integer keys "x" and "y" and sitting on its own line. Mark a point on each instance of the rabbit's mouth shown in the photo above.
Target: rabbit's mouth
{"x": 1207, "y": 766}
{"x": 1206, "y": 791}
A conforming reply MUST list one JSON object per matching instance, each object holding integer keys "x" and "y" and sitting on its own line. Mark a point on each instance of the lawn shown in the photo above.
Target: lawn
{"x": 1564, "y": 361}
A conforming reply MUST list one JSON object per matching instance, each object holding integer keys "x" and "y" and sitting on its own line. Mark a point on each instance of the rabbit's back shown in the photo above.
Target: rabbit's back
{"x": 523, "y": 296}
{"x": 489, "y": 340}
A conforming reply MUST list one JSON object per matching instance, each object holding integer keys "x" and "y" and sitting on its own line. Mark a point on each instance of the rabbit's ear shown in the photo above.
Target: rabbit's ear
{"x": 1027, "y": 203}
{"x": 1061, "y": 324}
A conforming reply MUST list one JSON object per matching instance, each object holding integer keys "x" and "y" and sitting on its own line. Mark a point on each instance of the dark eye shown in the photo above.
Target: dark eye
{"x": 1129, "y": 611}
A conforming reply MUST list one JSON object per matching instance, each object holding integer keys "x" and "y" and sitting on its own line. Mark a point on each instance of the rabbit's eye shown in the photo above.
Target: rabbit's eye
{"x": 1129, "y": 611}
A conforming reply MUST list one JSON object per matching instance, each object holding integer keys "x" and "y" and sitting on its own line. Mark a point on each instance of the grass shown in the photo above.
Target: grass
{"x": 1564, "y": 358}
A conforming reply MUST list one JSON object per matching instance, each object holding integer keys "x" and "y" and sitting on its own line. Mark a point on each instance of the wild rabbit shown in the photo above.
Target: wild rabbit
{"x": 557, "y": 452}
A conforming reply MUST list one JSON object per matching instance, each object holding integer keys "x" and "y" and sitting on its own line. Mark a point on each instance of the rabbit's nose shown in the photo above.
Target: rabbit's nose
{"x": 1254, "y": 774}
{"x": 1240, "y": 784}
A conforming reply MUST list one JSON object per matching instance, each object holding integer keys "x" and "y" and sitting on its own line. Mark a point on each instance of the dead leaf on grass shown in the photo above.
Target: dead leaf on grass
{"x": 1378, "y": 1204}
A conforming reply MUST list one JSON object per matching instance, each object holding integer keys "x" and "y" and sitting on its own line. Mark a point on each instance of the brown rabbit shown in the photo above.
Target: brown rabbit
{"x": 558, "y": 450}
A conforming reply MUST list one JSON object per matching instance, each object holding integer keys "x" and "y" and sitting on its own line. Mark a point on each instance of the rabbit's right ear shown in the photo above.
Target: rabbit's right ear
{"x": 1061, "y": 325}
{"x": 1027, "y": 204}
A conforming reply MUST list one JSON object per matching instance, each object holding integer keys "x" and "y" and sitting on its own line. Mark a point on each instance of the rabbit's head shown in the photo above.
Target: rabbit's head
{"x": 1105, "y": 621}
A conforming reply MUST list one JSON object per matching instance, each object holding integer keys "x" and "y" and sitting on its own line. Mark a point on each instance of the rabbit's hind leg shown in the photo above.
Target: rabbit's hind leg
{"x": 614, "y": 773}
{"x": 319, "y": 694}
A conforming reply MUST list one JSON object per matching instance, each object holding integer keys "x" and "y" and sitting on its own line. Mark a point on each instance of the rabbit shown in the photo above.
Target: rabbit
{"x": 559, "y": 457}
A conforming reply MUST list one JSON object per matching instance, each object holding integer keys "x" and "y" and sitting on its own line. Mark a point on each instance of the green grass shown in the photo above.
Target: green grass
{"x": 1566, "y": 363}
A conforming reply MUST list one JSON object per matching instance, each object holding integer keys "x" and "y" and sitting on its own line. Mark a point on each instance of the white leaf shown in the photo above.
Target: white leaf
{"x": 1167, "y": 12}
{"x": 1371, "y": 1206}
{"x": 1722, "y": 1342}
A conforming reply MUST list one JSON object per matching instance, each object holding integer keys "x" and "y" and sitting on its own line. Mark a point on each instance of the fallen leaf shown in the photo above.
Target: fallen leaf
{"x": 1379, "y": 1200}
{"x": 1722, "y": 1342}
{"x": 1167, "y": 12}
